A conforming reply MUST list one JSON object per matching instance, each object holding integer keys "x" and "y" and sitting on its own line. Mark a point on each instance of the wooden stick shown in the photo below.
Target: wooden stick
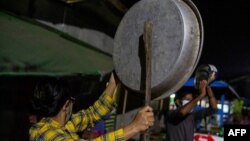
{"x": 125, "y": 102}
{"x": 148, "y": 53}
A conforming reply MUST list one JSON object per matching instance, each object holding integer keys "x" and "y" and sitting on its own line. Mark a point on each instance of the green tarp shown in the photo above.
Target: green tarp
{"x": 30, "y": 49}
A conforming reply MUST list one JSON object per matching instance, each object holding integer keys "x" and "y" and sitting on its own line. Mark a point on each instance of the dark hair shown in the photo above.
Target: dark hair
{"x": 184, "y": 91}
{"x": 49, "y": 96}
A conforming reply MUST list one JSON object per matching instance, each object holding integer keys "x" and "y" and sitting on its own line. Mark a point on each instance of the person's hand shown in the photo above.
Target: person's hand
{"x": 143, "y": 119}
{"x": 111, "y": 85}
{"x": 202, "y": 88}
{"x": 112, "y": 80}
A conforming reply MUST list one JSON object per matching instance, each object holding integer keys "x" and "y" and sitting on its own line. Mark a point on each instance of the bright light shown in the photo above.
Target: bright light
{"x": 203, "y": 103}
{"x": 225, "y": 107}
{"x": 172, "y": 96}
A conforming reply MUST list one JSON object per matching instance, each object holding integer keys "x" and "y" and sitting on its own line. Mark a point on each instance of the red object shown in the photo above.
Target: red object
{"x": 199, "y": 137}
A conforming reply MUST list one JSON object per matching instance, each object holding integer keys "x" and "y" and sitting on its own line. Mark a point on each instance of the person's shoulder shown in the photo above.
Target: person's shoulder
{"x": 42, "y": 130}
{"x": 51, "y": 133}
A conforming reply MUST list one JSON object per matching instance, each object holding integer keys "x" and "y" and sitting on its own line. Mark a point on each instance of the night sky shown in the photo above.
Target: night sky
{"x": 226, "y": 37}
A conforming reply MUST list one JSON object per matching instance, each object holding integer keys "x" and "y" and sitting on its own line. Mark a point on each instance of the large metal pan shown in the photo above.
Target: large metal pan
{"x": 177, "y": 40}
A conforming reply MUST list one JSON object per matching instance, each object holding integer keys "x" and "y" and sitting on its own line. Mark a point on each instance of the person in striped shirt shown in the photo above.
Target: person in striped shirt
{"x": 53, "y": 101}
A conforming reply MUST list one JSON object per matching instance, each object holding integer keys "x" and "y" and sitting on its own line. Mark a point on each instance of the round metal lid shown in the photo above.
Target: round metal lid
{"x": 176, "y": 45}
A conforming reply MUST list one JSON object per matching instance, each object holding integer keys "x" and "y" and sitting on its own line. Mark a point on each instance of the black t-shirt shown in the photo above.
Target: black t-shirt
{"x": 182, "y": 128}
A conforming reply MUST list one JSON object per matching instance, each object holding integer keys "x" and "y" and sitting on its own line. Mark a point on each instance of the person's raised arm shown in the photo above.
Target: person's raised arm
{"x": 212, "y": 99}
{"x": 104, "y": 105}
{"x": 184, "y": 110}
{"x": 111, "y": 85}
{"x": 142, "y": 121}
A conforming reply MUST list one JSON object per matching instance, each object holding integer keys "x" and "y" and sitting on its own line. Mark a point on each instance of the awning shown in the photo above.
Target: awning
{"x": 27, "y": 48}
